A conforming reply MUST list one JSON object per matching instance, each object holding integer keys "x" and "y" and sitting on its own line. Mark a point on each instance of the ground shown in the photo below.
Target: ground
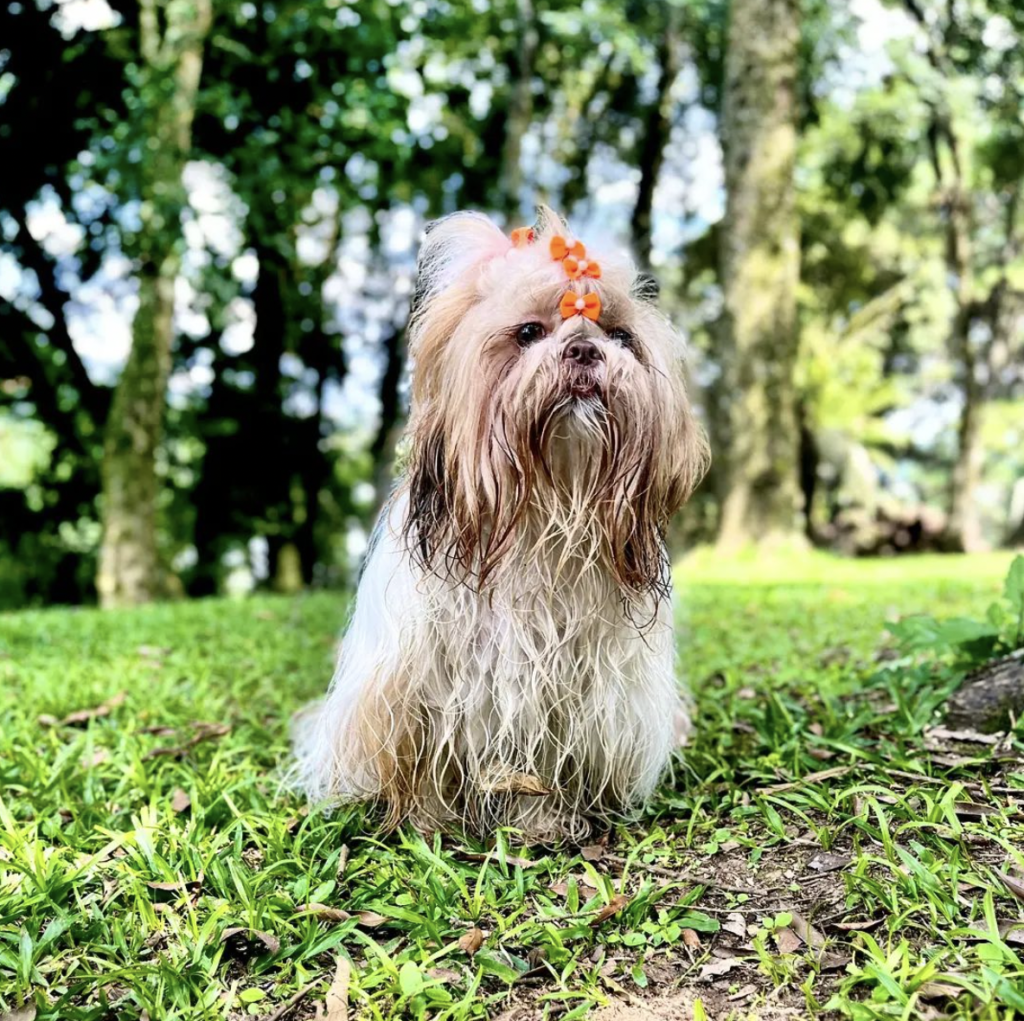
{"x": 819, "y": 852}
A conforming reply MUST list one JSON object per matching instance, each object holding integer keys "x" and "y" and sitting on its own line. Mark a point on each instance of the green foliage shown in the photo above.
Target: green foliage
{"x": 101, "y": 861}
{"x": 968, "y": 639}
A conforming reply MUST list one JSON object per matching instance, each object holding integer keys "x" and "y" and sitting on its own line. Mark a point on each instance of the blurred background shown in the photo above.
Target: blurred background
{"x": 209, "y": 215}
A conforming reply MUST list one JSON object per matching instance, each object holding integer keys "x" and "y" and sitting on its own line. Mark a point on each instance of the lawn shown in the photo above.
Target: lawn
{"x": 819, "y": 852}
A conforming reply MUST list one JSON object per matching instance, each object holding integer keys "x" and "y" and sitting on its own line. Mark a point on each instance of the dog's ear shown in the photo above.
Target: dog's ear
{"x": 431, "y": 486}
{"x": 453, "y": 248}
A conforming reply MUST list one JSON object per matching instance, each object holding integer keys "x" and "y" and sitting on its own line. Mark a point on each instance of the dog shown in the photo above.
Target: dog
{"x": 510, "y": 658}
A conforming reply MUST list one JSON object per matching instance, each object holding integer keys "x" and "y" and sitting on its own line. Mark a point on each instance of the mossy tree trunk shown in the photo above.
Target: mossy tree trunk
{"x": 171, "y": 39}
{"x": 760, "y": 265}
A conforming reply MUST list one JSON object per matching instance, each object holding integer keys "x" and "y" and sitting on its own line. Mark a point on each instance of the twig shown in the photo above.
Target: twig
{"x": 295, "y": 1000}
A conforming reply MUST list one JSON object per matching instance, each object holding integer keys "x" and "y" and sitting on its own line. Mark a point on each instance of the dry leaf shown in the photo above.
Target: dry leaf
{"x": 593, "y": 852}
{"x": 824, "y": 861}
{"x": 871, "y": 923}
{"x": 27, "y": 1012}
{"x": 560, "y": 889}
{"x": 244, "y": 939}
{"x": 370, "y": 919}
{"x": 972, "y": 810}
{"x": 85, "y": 715}
{"x": 691, "y": 939}
{"x": 970, "y": 736}
{"x": 342, "y": 861}
{"x": 180, "y": 801}
{"x": 787, "y": 940}
{"x": 336, "y": 1001}
{"x": 471, "y": 941}
{"x": 97, "y": 758}
{"x": 203, "y": 732}
{"x": 746, "y": 693}
{"x": 806, "y": 931}
{"x": 324, "y": 913}
{"x": 516, "y": 783}
{"x": 939, "y": 991}
{"x": 1014, "y": 885}
{"x": 744, "y": 993}
{"x": 152, "y": 651}
{"x": 715, "y": 969}
{"x": 46, "y": 720}
{"x": 445, "y": 975}
{"x": 613, "y": 907}
{"x": 735, "y": 924}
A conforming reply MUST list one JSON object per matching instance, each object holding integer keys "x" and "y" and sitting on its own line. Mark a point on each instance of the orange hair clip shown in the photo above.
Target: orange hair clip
{"x": 560, "y": 248}
{"x": 577, "y": 268}
{"x": 522, "y": 236}
{"x": 573, "y": 304}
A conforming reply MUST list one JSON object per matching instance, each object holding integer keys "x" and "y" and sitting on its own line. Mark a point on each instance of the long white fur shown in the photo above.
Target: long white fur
{"x": 548, "y": 677}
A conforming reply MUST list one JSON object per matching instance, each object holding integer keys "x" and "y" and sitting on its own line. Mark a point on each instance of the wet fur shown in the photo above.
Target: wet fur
{"x": 513, "y": 625}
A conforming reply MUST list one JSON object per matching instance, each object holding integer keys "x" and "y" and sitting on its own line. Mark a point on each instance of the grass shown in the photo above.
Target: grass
{"x": 818, "y": 849}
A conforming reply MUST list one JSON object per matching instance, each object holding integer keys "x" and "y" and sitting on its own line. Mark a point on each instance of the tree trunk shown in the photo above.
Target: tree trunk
{"x": 657, "y": 129}
{"x": 760, "y": 266}
{"x": 520, "y": 111}
{"x": 171, "y": 59}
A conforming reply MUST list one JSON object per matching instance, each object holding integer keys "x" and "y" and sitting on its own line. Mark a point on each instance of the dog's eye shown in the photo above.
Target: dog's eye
{"x": 622, "y": 335}
{"x": 529, "y": 332}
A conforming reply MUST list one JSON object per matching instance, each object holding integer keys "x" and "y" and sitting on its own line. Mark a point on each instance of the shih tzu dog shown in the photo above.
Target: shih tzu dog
{"x": 510, "y": 659}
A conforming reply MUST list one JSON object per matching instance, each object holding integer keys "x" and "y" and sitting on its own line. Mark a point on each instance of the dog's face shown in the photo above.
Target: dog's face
{"x": 540, "y": 396}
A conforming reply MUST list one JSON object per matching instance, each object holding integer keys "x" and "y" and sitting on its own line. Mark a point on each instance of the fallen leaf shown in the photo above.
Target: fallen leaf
{"x": 245, "y": 939}
{"x": 336, "y": 1001}
{"x": 787, "y": 940}
{"x": 152, "y": 651}
{"x": 46, "y": 720}
{"x": 865, "y": 926}
{"x": 939, "y": 991}
{"x": 471, "y": 941}
{"x": 159, "y": 728}
{"x": 202, "y": 732}
{"x": 445, "y": 975}
{"x": 342, "y": 861}
{"x": 691, "y": 939}
{"x": 370, "y": 919}
{"x": 970, "y": 736}
{"x": 560, "y": 889}
{"x": 27, "y": 1012}
{"x": 821, "y": 754}
{"x": 593, "y": 852}
{"x": 324, "y": 913}
{"x": 613, "y": 907}
{"x": 1014, "y": 885}
{"x": 1012, "y": 932}
{"x": 823, "y": 774}
{"x": 824, "y": 861}
{"x": 516, "y": 783}
{"x": 103, "y": 709}
{"x": 180, "y": 801}
{"x": 97, "y": 758}
{"x": 746, "y": 693}
{"x": 973, "y": 810}
{"x": 743, "y": 993}
{"x": 735, "y": 924}
{"x": 833, "y": 962}
{"x": 806, "y": 931}
{"x": 715, "y": 969}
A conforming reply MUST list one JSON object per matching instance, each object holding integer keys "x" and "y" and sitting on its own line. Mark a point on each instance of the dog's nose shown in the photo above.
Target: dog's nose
{"x": 582, "y": 352}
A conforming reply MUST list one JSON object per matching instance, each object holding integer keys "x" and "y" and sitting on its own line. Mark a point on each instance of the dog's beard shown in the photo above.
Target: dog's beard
{"x": 554, "y": 459}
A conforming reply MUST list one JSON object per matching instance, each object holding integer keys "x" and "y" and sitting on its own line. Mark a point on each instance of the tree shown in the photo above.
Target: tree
{"x": 759, "y": 266}
{"x": 171, "y": 40}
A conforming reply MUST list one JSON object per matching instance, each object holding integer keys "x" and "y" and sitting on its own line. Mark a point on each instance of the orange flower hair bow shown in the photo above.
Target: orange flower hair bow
{"x": 560, "y": 248}
{"x": 574, "y": 258}
{"x": 573, "y": 304}
{"x": 522, "y": 236}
